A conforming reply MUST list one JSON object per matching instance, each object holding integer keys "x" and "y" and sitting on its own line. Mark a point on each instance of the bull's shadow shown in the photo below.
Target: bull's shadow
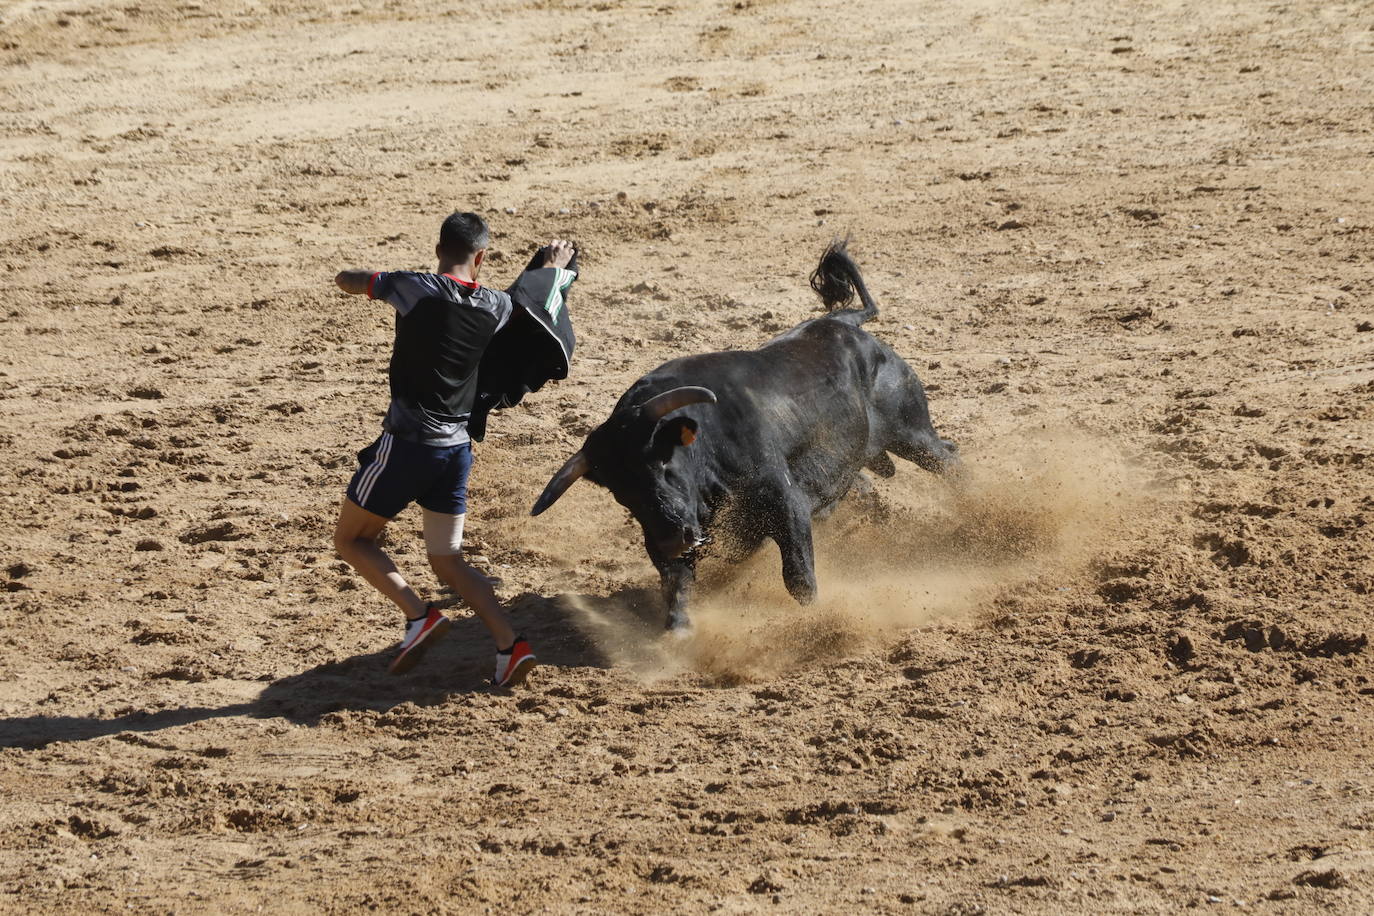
{"x": 461, "y": 664}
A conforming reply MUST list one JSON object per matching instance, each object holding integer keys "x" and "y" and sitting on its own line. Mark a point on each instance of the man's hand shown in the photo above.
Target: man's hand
{"x": 353, "y": 282}
{"x": 558, "y": 253}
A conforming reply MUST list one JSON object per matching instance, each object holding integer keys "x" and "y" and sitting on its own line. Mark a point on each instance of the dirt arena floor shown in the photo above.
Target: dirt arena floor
{"x": 1129, "y": 248}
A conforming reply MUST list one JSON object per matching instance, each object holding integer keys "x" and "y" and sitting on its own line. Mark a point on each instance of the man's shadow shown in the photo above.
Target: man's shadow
{"x": 462, "y": 663}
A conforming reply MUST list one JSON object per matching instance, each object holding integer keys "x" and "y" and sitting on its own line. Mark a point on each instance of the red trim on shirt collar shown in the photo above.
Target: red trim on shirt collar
{"x": 470, "y": 284}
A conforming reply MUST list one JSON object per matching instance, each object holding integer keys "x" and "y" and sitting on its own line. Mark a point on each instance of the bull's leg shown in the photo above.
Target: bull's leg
{"x": 927, "y": 450}
{"x": 882, "y": 465}
{"x": 675, "y": 578}
{"x": 862, "y": 486}
{"x": 798, "y": 557}
{"x": 824, "y": 512}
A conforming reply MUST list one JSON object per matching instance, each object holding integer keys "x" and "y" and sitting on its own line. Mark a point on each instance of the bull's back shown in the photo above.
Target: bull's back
{"x": 806, "y": 365}
{"x": 801, "y": 399}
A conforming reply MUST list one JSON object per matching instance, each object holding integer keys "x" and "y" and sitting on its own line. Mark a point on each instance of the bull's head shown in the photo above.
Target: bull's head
{"x": 633, "y": 455}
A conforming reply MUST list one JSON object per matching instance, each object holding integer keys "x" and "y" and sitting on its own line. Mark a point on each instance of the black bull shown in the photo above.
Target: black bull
{"x": 778, "y": 435}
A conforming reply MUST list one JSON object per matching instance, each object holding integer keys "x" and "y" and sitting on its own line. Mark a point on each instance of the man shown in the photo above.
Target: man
{"x": 444, "y": 322}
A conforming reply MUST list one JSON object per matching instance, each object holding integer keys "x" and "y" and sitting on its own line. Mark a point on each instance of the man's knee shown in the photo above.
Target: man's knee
{"x": 447, "y": 567}
{"x": 355, "y": 526}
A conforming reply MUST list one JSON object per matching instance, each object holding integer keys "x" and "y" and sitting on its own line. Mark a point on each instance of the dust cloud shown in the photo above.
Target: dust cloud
{"x": 914, "y": 550}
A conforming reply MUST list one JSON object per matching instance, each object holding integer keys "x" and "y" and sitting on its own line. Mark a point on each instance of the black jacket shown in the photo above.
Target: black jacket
{"x": 534, "y": 346}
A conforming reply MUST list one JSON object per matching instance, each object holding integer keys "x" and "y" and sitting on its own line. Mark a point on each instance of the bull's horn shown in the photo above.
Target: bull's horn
{"x": 660, "y": 405}
{"x": 567, "y": 475}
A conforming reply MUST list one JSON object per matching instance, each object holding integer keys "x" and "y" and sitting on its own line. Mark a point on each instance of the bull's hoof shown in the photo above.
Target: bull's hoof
{"x": 678, "y": 626}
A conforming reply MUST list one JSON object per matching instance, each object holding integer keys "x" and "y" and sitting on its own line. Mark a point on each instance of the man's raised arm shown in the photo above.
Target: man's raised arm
{"x": 354, "y": 282}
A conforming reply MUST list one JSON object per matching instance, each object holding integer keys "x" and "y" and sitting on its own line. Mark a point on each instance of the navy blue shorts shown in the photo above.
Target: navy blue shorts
{"x": 393, "y": 473}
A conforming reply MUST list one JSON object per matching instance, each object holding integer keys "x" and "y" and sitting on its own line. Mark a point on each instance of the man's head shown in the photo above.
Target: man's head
{"x": 463, "y": 239}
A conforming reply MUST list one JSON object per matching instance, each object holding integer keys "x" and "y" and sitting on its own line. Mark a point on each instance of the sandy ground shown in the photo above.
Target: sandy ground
{"x": 1127, "y": 246}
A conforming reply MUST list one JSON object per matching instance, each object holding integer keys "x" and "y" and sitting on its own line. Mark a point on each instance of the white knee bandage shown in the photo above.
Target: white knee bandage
{"x": 443, "y": 533}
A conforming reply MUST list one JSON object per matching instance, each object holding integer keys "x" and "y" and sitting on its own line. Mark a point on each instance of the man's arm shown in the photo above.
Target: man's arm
{"x": 354, "y": 282}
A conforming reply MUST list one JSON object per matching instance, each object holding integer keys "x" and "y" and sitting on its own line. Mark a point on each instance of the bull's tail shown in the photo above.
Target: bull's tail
{"x": 836, "y": 279}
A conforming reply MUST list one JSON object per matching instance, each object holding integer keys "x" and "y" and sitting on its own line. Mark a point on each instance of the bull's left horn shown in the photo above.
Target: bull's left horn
{"x": 567, "y": 475}
{"x": 660, "y": 405}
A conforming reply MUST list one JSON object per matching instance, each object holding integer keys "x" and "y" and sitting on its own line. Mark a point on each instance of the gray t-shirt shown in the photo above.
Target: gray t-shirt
{"x": 443, "y": 325}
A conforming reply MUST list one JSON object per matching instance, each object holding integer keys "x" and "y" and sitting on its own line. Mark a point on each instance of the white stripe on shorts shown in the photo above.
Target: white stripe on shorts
{"x": 370, "y": 476}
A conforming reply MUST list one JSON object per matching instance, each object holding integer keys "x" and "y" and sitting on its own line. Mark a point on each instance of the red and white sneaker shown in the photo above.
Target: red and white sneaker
{"x": 514, "y": 664}
{"x": 420, "y": 635}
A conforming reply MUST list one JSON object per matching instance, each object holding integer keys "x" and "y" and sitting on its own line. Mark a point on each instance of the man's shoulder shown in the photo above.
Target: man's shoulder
{"x": 417, "y": 288}
{"x": 430, "y": 281}
{"x": 493, "y": 300}
{"x": 491, "y": 294}
{"x": 406, "y": 279}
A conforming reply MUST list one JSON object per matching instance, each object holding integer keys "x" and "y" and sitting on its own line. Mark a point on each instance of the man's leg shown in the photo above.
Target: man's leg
{"x": 475, "y": 589}
{"x": 355, "y": 538}
{"x": 444, "y": 542}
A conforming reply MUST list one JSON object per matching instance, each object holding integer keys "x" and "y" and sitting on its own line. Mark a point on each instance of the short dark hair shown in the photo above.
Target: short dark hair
{"x": 462, "y": 235}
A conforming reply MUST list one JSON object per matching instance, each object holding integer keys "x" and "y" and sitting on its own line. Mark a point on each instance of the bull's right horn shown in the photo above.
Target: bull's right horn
{"x": 660, "y": 405}
{"x": 567, "y": 475}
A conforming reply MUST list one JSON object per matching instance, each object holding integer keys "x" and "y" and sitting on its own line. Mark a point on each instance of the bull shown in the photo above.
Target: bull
{"x": 778, "y": 435}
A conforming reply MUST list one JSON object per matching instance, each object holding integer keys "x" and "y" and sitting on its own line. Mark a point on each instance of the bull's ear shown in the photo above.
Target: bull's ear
{"x": 674, "y": 433}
